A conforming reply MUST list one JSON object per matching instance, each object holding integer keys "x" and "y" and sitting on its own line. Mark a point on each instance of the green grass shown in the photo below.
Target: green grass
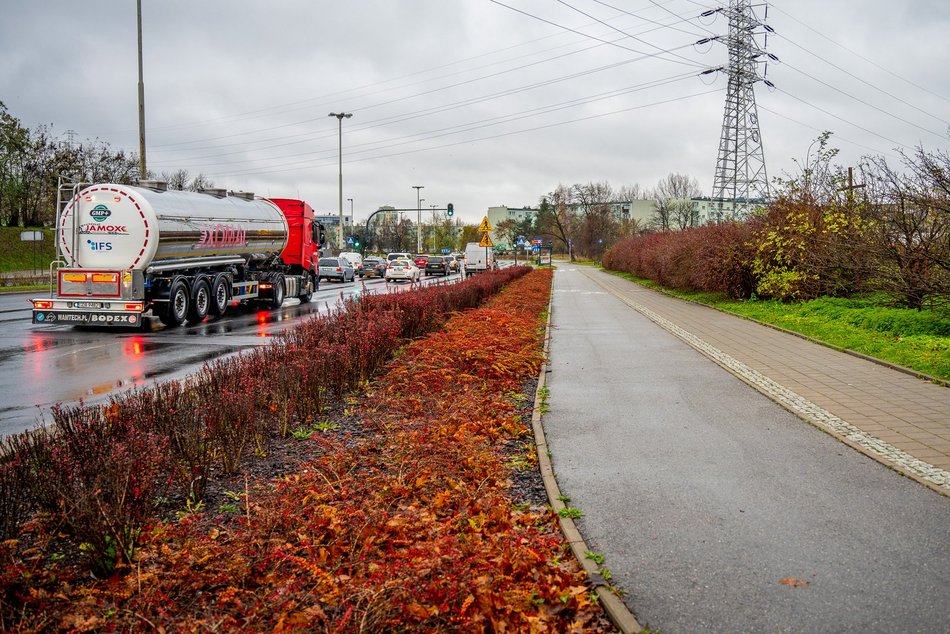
{"x": 17, "y": 255}
{"x": 919, "y": 340}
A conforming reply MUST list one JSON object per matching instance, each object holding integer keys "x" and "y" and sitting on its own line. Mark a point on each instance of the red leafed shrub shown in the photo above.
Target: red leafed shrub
{"x": 713, "y": 258}
{"x": 100, "y": 478}
{"x": 407, "y": 529}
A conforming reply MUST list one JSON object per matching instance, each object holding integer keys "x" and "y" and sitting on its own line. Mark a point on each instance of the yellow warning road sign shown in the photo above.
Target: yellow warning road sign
{"x": 485, "y": 226}
{"x": 485, "y": 241}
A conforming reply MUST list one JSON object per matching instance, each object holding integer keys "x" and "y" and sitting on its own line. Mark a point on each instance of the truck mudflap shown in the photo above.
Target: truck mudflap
{"x": 86, "y": 318}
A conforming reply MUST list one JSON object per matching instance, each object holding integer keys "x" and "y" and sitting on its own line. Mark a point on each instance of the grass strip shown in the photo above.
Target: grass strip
{"x": 919, "y": 340}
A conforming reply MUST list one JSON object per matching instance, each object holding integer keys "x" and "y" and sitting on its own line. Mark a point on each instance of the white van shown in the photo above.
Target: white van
{"x": 478, "y": 259}
{"x": 353, "y": 258}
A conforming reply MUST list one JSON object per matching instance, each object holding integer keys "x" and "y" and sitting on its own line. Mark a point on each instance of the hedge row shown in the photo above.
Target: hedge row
{"x": 98, "y": 471}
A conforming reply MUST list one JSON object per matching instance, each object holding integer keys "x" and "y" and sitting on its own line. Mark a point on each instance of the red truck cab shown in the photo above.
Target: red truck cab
{"x": 305, "y": 237}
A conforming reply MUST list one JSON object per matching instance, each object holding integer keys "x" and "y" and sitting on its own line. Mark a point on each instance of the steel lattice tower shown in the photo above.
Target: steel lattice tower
{"x": 740, "y": 168}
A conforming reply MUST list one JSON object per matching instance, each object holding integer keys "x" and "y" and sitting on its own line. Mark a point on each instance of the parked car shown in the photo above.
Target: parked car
{"x": 374, "y": 267}
{"x": 420, "y": 261}
{"x": 402, "y": 270}
{"x": 438, "y": 265}
{"x": 335, "y": 269}
{"x": 398, "y": 256}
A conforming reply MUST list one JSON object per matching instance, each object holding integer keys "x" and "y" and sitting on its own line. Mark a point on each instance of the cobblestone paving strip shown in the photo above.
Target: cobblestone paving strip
{"x": 886, "y": 452}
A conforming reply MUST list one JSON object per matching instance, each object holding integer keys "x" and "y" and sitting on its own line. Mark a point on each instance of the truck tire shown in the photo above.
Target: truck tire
{"x": 220, "y": 295}
{"x": 277, "y": 291}
{"x": 176, "y": 311}
{"x": 200, "y": 301}
{"x": 309, "y": 287}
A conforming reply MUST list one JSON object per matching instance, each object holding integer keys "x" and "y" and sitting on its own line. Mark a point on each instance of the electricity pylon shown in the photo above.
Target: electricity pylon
{"x": 741, "y": 178}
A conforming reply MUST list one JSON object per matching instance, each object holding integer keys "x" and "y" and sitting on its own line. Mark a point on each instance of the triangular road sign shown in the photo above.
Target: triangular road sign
{"x": 485, "y": 226}
{"x": 485, "y": 241}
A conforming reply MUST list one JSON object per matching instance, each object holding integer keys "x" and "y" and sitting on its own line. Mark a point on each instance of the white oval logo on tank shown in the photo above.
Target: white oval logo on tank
{"x": 114, "y": 230}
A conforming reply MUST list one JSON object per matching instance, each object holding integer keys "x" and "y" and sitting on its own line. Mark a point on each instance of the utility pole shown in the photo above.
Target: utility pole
{"x": 850, "y": 188}
{"x": 418, "y": 218}
{"x": 143, "y": 172}
{"x": 340, "y": 116}
{"x": 740, "y": 166}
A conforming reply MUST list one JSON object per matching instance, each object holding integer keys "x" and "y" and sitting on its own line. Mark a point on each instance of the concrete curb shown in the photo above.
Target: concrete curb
{"x": 617, "y": 611}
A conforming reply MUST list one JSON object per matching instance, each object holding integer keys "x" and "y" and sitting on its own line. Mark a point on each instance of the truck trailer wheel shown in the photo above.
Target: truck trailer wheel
{"x": 178, "y": 304}
{"x": 220, "y": 295}
{"x": 200, "y": 301}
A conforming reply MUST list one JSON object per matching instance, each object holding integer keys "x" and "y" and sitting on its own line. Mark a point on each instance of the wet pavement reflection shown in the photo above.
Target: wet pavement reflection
{"x": 44, "y": 365}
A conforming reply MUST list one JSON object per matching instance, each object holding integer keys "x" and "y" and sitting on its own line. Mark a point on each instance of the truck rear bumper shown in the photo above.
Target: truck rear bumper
{"x": 57, "y": 311}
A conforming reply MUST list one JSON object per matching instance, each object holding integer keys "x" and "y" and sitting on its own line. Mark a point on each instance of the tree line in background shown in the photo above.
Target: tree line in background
{"x": 32, "y": 160}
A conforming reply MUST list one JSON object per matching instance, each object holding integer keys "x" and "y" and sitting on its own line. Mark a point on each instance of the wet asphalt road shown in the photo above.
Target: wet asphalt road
{"x": 703, "y": 495}
{"x": 44, "y": 365}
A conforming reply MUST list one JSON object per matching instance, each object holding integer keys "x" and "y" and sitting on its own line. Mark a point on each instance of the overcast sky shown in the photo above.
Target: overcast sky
{"x": 482, "y": 104}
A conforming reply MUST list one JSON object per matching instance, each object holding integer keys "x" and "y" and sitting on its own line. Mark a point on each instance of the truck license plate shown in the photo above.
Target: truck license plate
{"x": 87, "y": 304}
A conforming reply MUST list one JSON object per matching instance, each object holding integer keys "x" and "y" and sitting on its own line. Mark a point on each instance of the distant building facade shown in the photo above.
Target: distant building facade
{"x": 711, "y": 210}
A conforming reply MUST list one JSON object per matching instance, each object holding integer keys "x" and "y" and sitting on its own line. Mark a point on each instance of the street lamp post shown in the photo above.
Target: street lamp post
{"x": 143, "y": 172}
{"x": 433, "y": 227}
{"x": 340, "y": 116}
{"x": 418, "y": 218}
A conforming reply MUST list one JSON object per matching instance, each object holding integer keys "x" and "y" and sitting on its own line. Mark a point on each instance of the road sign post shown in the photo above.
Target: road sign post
{"x": 34, "y": 237}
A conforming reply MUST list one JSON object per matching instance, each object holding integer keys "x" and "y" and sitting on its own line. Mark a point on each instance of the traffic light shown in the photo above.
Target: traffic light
{"x": 451, "y": 209}
{"x": 356, "y": 241}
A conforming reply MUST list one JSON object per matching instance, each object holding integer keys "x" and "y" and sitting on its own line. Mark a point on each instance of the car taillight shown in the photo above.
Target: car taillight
{"x": 42, "y": 305}
{"x": 338, "y": 269}
{"x": 134, "y": 306}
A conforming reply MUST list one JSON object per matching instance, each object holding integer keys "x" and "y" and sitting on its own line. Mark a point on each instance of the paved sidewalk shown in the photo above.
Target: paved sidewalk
{"x": 890, "y": 415}
{"x": 717, "y": 509}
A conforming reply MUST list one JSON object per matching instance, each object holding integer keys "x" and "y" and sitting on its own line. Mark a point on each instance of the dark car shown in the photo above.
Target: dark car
{"x": 336, "y": 269}
{"x": 437, "y": 265}
{"x": 374, "y": 267}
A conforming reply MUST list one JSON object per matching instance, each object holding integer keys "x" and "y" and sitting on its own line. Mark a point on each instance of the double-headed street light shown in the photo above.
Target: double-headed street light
{"x": 340, "y": 116}
{"x": 418, "y": 218}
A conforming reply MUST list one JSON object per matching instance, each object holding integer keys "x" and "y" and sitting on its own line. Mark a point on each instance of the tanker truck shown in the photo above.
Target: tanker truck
{"x": 124, "y": 251}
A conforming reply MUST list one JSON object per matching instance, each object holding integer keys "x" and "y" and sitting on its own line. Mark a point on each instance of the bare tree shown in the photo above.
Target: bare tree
{"x": 177, "y": 180}
{"x": 674, "y": 207}
{"x": 909, "y": 216}
{"x": 555, "y": 219}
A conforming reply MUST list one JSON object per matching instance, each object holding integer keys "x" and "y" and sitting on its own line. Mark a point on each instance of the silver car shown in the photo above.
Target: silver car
{"x": 335, "y": 269}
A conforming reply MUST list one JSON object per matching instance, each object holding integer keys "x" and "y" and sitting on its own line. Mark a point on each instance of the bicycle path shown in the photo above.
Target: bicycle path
{"x": 716, "y": 508}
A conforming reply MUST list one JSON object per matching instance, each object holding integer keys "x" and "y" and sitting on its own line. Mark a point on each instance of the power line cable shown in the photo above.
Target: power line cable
{"x": 468, "y": 141}
{"x": 859, "y": 55}
{"x": 633, "y": 37}
{"x": 866, "y": 83}
{"x": 849, "y": 122}
{"x": 581, "y": 33}
{"x": 862, "y": 101}
{"x": 820, "y": 130}
{"x": 427, "y": 112}
{"x": 464, "y": 127}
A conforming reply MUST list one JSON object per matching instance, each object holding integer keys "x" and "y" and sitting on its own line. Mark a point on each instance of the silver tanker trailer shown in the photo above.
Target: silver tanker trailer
{"x": 123, "y": 251}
